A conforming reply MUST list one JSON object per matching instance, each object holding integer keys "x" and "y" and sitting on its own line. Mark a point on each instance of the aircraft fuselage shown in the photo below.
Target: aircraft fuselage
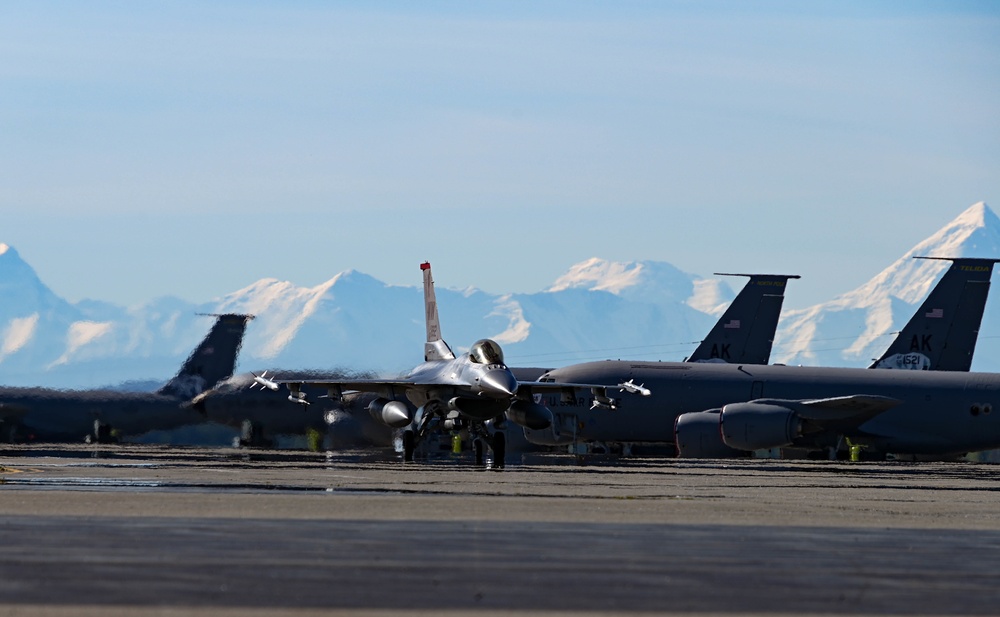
{"x": 940, "y": 413}
{"x": 58, "y": 415}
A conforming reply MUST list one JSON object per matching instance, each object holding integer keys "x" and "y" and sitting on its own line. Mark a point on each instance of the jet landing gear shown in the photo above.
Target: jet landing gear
{"x": 103, "y": 433}
{"x": 499, "y": 449}
{"x": 477, "y": 445}
{"x": 498, "y": 443}
{"x": 252, "y": 436}
{"x": 409, "y": 442}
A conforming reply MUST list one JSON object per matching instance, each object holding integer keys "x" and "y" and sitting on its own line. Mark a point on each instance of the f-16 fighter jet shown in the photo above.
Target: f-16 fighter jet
{"x": 473, "y": 391}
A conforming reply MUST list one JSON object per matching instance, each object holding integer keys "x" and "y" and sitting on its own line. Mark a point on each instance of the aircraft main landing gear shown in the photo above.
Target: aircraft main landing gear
{"x": 102, "y": 434}
{"x": 499, "y": 449}
{"x": 408, "y": 445}
{"x": 252, "y": 435}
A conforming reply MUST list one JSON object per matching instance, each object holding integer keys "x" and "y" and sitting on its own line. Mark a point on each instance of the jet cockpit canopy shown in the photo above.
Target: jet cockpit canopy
{"x": 486, "y": 351}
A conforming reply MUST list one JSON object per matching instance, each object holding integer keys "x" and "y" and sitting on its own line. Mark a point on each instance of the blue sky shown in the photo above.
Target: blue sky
{"x": 191, "y": 148}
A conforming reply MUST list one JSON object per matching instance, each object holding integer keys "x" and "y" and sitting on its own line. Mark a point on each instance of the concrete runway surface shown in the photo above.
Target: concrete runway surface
{"x": 125, "y": 530}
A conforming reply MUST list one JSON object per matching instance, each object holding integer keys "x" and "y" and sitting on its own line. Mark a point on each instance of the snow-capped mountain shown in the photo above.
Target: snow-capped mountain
{"x": 642, "y": 310}
{"x": 652, "y": 282}
{"x": 351, "y": 320}
{"x": 854, "y": 328}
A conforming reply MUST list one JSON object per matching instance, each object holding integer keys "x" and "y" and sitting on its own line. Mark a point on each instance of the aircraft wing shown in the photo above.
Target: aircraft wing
{"x": 388, "y": 388}
{"x": 842, "y": 407}
{"x": 836, "y": 413}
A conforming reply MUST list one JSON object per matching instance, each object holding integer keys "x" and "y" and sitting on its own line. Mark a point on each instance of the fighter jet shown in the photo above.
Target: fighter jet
{"x": 474, "y": 391}
{"x": 939, "y": 413}
{"x": 941, "y": 335}
{"x": 42, "y": 414}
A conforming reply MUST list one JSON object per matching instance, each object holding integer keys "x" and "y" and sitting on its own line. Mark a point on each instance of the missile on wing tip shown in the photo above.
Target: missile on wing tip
{"x": 262, "y": 381}
{"x": 634, "y": 388}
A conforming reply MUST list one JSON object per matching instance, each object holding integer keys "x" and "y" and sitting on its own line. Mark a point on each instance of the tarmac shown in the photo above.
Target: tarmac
{"x": 149, "y": 530}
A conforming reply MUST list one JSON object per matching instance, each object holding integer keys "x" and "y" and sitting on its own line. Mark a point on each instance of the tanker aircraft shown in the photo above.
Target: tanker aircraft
{"x": 43, "y": 414}
{"x": 939, "y": 413}
{"x": 474, "y": 391}
{"x": 940, "y": 336}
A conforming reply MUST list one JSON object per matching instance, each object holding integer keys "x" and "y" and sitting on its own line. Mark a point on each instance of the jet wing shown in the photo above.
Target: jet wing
{"x": 843, "y": 407}
{"x": 388, "y": 388}
{"x": 837, "y": 413}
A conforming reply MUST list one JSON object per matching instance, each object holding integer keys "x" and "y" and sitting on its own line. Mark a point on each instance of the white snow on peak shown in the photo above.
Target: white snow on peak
{"x": 4, "y": 248}
{"x": 859, "y": 321}
{"x": 599, "y": 275}
{"x": 911, "y": 279}
{"x": 710, "y": 296}
{"x": 19, "y": 331}
{"x": 281, "y": 308}
{"x": 82, "y": 333}
{"x": 518, "y": 328}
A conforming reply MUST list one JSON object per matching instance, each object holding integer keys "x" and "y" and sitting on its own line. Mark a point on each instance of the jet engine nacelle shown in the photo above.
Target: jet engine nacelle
{"x": 529, "y": 415}
{"x": 755, "y": 426}
{"x": 391, "y": 413}
{"x": 697, "y": 436}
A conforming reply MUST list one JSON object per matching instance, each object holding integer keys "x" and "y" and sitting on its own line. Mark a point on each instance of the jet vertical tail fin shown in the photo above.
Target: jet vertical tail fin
{"x": 942, "y": 334}
{"x": 435, "y": 348}
{"x": 745, "y": 332}
{"x": 212, "y": 361}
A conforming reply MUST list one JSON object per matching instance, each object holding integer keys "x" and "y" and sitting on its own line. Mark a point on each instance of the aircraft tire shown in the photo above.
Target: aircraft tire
{"x": 408, "y": 444}
{"x": 102, "y": 433}
{"x": 499, "y": 449}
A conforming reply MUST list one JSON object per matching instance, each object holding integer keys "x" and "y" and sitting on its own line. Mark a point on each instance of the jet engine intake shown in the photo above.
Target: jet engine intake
{"x": 529, "y": 415}
{"x": 755, "y": 426}
{"x": 395, "y": 414}
{"x": 697, "y": 435}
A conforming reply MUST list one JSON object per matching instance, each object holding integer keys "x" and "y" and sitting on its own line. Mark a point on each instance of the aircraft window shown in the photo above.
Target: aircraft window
{"x": 485, "y": 351}
{"x": 974, "y": 410}
{"x": 987, "y": 408}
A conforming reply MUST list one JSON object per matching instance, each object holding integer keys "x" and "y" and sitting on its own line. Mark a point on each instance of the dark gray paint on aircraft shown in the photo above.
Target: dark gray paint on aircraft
{"x": 942, "y": 334}
{"x": 926, "y": 412}
{"x": 44, "y": 414}
{"x": 233, "y": 403}
{"x": 745, "y": 332}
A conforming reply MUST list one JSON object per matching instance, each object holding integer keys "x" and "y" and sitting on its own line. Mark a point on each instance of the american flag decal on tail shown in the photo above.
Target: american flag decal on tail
{"x": 935, "y": 314}
{"x": 734, "y": 324}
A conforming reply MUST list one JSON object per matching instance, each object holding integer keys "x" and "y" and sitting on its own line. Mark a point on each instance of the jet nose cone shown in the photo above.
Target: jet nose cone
{"x": 498, "y": 383}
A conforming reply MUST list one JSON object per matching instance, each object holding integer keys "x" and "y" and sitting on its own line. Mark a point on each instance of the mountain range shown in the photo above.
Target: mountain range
{"x": 644, "y": 310}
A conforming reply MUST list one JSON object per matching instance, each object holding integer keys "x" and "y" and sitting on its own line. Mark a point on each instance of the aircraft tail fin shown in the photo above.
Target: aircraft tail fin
{"x": 212, "y": 361}
{"x": 941, "y": 335}
{"x": 435, "y": 348}
{"x": 745, "y": 332}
